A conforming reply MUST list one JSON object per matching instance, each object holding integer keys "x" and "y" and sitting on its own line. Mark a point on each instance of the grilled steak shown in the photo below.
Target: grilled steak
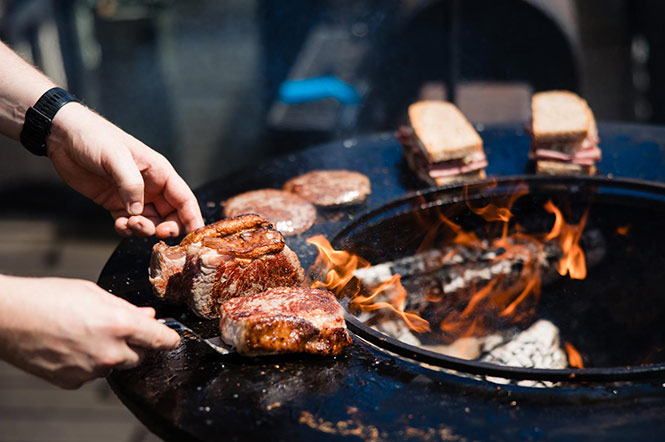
{"x": 289, "y": 213}
{"x": 285, "y": 320}
{"x": 233, "y": 257}
{"x": 330, "y": 187}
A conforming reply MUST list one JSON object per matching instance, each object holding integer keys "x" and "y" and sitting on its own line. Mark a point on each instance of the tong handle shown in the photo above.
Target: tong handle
{"x": 214, "y": 343}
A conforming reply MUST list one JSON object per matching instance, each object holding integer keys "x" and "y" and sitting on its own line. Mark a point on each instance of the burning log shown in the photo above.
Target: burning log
{"x": 469, "y": 297}
{"x": 444, "y": 286}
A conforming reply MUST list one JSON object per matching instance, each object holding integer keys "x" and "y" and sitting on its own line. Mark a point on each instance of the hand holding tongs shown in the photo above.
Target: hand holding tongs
{"x": 215, "y": 343}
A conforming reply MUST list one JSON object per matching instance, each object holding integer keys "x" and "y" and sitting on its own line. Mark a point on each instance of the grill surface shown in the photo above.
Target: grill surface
{"x": 194, "y": 394}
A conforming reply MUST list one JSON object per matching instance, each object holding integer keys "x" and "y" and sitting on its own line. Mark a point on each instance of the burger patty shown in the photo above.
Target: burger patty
{"x": 285, "y": 320}
{"x": 289, "y": 213}
{"x": 330, "y": 187}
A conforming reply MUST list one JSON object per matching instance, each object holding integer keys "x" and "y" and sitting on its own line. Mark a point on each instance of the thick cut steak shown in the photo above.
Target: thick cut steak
{"x": 233, "y": 257}
{"x": 285, "y": 320}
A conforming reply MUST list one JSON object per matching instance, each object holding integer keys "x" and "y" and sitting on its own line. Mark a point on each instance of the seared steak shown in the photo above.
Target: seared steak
{"x": 289, "y": 213}
{"x": 285, "y": 320}
{"x": 330, "y": 187}
{"x": 233, "y": 257}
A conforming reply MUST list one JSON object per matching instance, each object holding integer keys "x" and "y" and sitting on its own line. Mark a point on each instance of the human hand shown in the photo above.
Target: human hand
{"x": 71, "y": 331}
{"x": 137, "y": 185}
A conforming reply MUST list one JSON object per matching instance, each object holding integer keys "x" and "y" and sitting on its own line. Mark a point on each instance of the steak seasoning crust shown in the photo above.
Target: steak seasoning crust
{"x": 285, "y": 320}
{"x": 232, "y": 257}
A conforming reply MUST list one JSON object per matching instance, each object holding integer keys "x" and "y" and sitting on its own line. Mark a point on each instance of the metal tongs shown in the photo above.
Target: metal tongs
{"x": 215, "y": 343}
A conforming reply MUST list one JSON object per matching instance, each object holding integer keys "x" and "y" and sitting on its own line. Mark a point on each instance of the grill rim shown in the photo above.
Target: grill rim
{"x": 417, "y": 354}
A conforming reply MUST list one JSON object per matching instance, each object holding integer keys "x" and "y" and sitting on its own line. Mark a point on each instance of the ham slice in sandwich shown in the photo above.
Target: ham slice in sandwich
{"x": 564, "y": 137}
{"x": 440, "y": 145}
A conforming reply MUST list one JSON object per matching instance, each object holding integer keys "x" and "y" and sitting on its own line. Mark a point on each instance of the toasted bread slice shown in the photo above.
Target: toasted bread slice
{"x": 544, "y": 167}
{"x": 559, "y": 117}
{"x": 442, "y": 131}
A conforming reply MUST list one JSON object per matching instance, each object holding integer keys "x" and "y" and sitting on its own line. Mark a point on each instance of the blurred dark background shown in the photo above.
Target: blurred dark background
{"x": 221, "y": 85}
{"x": 214, "y": 84}
{"x": 217, "y": 86}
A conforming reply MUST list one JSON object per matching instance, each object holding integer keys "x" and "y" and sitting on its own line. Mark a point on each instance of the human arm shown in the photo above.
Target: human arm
{"x": 70, "y": 331}
{"x": 137, "y": 185}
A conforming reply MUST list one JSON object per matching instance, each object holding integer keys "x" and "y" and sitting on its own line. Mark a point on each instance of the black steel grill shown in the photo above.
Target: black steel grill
{"x": 383, "y": 391}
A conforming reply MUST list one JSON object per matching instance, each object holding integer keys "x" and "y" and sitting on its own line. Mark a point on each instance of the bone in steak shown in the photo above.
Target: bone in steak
{"x": 232, "y": 257}
{"x": 285, "y": 320}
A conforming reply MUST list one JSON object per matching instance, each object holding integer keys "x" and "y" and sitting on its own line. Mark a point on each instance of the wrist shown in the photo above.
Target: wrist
{"x": 39, "y": 119}
{"x": 63, "y": 127}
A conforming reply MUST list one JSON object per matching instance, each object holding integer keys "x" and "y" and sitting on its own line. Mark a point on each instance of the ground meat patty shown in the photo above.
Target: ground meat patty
{"x": 288, "y": 213}
{"x": 330, "y": 187}
{"x": 285, "y": 320}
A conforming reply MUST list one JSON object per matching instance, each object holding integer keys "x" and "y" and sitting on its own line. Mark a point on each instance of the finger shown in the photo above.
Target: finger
{"x": 148, "y": 311}
{"x": 149, "y": 333}
{"x": 142, "y": 226}
{"x": 127, "y": 177}
{"x": 122, "y": 228}
{"x": 180, "y": 196}
{"x": 163, "y": 207}
{"x": 170, "y": 227}
{"x": 132, "y": 358}
{"x": 148, "y": 211}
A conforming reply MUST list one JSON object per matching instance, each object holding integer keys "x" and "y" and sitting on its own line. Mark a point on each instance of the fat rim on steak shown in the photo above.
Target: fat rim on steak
{"x": 232, "y": 257}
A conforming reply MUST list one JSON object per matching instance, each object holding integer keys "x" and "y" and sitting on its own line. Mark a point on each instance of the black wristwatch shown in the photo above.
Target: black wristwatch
{"x": 39, "y": 117}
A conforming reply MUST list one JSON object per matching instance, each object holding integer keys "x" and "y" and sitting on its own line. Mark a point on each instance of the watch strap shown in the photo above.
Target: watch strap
{"x": 39, "y": 117}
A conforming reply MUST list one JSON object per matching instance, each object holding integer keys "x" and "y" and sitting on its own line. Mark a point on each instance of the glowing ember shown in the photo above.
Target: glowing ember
{"x": 623, "y": 230}
{"x": 574, "y": 357}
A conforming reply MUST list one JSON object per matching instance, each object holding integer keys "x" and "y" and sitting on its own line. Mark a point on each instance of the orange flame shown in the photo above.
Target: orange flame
{"x": 574, "y": 357}
{"x": 572, "y": 261}
{"x": 468, "y": 311}
{"x": 397, "y": 299}
{"x": 623, "y": 230}
{"x": 341, "y": 265}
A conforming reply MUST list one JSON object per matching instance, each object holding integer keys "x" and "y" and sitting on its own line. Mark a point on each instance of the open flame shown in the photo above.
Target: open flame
{"x": 574, "y": 357}
{"x": 340, "y": 266}
{"x": 504, "y": 299}
{"x": 396, "y": 300}
{"x": 572, "y": 262}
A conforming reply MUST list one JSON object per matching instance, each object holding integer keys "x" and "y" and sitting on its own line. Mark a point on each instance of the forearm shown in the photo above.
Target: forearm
{"x": 12, "y": 318}
{"x": 21, "y": 85}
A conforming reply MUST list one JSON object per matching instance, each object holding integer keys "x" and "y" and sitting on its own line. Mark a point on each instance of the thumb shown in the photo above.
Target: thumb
{"x": 127, "y": 177}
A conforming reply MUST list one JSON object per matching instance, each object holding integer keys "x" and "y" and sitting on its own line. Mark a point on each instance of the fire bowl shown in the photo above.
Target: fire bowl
{"x": 613, "y": 316}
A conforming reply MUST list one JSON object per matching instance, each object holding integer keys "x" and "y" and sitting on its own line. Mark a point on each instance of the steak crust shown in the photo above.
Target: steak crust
{"x": 285, "y": 320}
{"x": 234, "y": 257}
{"x": 289, "y": 213}
{"x": 330, "y": 187}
